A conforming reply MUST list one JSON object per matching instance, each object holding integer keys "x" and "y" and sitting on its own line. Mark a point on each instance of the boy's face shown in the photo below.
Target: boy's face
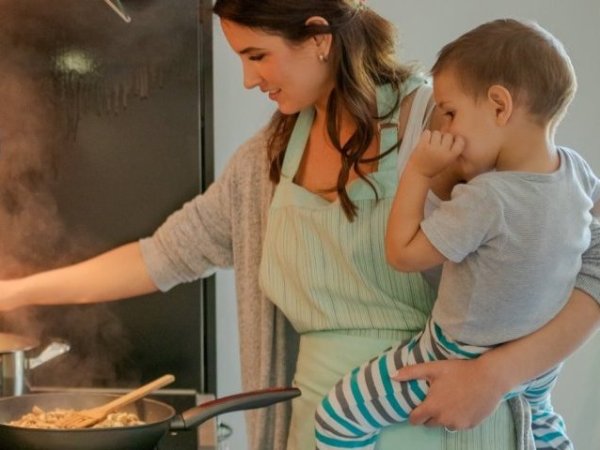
{"x": 472, "y": 118}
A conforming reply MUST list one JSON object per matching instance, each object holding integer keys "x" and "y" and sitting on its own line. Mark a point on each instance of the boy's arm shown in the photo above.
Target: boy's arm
{"x": 407, "y": 247}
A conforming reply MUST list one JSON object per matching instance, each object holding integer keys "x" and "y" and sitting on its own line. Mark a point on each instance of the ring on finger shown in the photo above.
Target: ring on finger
{"x": 449, "y": 430}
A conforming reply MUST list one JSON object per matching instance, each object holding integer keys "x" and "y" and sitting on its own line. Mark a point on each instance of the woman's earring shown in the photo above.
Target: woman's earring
{"x": 322, "y": 58}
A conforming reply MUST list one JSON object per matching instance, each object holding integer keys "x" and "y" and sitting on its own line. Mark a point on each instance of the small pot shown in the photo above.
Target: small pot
{"x": 16, "y": 361}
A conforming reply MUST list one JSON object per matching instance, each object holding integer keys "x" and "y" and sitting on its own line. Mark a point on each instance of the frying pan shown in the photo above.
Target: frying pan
{"x": 159, "y": 417}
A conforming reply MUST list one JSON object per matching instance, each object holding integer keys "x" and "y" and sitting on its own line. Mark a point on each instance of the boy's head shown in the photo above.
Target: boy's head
{"x": 520, "y": 56}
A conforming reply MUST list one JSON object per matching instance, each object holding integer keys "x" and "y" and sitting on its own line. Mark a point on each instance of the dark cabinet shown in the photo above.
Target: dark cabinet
{"x": 105, "y": 128}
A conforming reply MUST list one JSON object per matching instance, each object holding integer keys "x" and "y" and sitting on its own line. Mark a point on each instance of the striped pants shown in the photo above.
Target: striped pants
{"x": 367, "y": 399}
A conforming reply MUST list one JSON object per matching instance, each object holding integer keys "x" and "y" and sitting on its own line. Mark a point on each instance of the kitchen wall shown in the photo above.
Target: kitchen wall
{"x": 424, "y": 27}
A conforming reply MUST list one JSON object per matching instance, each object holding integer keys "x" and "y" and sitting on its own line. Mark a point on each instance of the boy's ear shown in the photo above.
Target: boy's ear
{"x": 321, "y": 41}
{"x": 502, "y": 102}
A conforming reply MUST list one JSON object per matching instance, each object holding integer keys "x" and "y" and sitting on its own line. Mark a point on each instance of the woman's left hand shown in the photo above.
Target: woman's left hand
{"x": 461, "y": 394}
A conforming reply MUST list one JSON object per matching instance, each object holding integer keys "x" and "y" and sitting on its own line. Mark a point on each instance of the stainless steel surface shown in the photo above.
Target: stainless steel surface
{"x": 117, "y": 7}
{"x": 16, "y": 361}
{"x": 53, "y": 350}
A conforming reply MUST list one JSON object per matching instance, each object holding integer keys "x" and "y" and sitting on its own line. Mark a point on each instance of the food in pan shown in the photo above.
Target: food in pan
{"x": 38, "y": 418}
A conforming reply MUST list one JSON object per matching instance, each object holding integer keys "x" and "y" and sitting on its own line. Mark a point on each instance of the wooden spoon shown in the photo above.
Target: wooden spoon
{"x": 88, "y": 417}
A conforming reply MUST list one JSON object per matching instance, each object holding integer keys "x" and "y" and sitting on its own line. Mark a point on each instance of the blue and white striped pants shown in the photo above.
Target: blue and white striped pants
{"x": 367, "y": 399}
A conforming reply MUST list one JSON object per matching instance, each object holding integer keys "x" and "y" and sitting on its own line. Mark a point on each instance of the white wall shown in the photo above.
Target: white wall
{"x": 424, "y": 27}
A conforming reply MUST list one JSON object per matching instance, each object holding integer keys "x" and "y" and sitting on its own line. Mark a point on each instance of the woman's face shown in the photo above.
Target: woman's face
{"x": 290, "y": 74}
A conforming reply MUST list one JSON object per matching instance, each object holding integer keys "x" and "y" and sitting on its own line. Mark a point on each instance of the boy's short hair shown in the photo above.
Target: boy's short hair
{"x": 521, "y": 56}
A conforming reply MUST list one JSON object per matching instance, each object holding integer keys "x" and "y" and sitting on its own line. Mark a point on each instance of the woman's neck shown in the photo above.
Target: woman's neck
{"x": 346, "y": 125}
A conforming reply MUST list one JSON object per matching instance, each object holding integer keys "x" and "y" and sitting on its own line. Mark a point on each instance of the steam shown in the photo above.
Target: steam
{"x": 100, "y": 348}
{"x": 60, "y": 61}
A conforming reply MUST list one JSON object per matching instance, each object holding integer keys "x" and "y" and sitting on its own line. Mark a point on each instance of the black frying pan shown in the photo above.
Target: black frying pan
{"x": 159, "y": 417}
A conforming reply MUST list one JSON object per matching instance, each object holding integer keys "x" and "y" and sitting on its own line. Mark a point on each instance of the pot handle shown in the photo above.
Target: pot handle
{"x": 238, "y": 402}
{"x": 54, "y": 349}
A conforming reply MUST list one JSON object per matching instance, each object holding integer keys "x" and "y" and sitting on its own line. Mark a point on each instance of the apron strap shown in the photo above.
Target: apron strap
{"x": 388, "y": 99}
{"x": 420, "y": 112}
{"x": 297, "y": 143}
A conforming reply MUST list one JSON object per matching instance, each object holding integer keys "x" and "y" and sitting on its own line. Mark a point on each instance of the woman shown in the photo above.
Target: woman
{"x": 300, "y": 214}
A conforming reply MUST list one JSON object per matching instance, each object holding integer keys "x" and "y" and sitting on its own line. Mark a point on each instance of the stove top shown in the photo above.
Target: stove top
{"x": 201, "y": 438}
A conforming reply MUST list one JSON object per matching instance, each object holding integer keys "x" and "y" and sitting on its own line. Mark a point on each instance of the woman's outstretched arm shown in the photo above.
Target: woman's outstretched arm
{"x": 117, "y": 274}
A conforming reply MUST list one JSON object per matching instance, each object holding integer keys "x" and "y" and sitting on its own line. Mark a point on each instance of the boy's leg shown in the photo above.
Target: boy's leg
{"x": 366, "y": 399}
{"x": 548, "y": 427}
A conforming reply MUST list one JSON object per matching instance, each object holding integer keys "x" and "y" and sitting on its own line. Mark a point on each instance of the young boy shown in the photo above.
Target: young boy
{"x": 511, "y": 238}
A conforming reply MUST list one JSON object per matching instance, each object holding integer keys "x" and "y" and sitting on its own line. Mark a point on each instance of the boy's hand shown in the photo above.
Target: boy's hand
{"x": 435, "y": 151}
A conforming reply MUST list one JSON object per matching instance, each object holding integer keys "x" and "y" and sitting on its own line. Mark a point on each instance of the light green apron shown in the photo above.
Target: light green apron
{"x": 330, "y": 278}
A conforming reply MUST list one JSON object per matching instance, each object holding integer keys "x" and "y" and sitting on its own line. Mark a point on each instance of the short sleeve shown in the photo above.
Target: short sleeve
{"x": 588, "y": 279}
{"x": 588, "y": 178}
{"x": 469, "y": 219}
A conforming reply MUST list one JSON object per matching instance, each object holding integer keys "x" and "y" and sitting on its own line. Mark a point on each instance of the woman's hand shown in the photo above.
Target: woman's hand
{"x": 461, "y": 394}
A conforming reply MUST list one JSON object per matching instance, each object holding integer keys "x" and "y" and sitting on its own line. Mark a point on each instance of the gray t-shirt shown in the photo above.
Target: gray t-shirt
{"x": 514, "y": 242}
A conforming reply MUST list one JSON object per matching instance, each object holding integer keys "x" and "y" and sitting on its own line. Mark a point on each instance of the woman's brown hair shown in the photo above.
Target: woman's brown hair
{"x": 363, "y": 56}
